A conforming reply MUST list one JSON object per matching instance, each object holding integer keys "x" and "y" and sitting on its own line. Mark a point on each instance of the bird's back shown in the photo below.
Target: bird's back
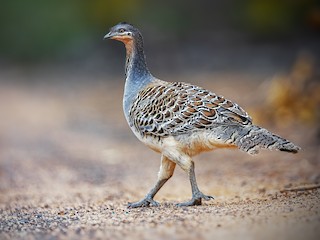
{"x": 169, "y": 109}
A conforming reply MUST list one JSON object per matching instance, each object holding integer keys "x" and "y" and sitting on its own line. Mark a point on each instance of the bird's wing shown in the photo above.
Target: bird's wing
{"x": 165, "y": 109}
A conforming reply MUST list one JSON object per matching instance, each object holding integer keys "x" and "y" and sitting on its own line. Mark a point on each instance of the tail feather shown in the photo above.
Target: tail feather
{"x": 252, "y": 138}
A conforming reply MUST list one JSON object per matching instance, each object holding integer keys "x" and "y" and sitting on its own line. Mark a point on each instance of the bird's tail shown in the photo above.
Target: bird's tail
{"x": 252, "y": 138}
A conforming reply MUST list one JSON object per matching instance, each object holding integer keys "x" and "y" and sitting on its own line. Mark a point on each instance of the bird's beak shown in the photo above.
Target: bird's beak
{"x": 109, "y": 35}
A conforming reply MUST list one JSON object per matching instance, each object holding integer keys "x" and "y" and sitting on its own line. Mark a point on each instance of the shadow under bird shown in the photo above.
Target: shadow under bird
{"x": 180, "y": 120}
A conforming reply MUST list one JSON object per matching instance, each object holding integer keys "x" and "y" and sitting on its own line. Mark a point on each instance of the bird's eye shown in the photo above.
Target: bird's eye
{"x": 121, "y": 30}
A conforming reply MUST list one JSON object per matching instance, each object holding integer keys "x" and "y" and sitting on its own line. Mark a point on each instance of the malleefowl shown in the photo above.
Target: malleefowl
{"x": 180, "y": 120}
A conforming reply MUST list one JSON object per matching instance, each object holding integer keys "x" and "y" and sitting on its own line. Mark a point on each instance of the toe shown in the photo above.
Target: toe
{"x": 192, "y": 202}
{"x": 134, "y": 205}
{"x": 200, "y": 195}
{"x": 138, "y": 204}
{"x": 146, "y": 202}
{"x": 196, "y": 200}
{"x": 154, "y": 203}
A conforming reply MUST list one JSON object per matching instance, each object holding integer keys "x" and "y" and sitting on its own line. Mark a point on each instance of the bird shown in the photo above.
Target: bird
{"x": 180, "y": 120}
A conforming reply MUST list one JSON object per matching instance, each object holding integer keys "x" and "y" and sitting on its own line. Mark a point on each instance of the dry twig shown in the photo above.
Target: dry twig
{"x": 303, "y": 188}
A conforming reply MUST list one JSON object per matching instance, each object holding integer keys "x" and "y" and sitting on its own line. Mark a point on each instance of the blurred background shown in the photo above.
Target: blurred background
{"x": 248, "y": 35}
{"x": 61, "y": 89}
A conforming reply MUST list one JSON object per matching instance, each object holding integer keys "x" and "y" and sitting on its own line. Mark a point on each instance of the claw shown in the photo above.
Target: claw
{"x": 146, "y": 202}
{"x": 207, "y": 198}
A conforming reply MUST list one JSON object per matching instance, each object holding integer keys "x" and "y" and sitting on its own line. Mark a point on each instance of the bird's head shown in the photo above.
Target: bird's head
{"x": 123, "y": 32}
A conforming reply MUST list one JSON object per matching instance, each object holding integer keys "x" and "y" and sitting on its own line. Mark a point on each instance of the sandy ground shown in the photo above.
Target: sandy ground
{"x": 69, "y": 165}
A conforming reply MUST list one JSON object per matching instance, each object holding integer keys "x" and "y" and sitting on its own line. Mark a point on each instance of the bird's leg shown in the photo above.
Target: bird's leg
{"x": 166, "y": 171}
{"x": 197, "y": 196}
{"x": 148, "y": 199}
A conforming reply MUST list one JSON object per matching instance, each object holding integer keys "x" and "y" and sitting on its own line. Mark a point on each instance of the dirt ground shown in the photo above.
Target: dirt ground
{"x": 69, "y": 165}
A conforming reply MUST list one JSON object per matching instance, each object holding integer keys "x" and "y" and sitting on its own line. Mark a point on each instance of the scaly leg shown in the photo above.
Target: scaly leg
{"x": 165, "y": 173}
{"x": 197, "y": 196}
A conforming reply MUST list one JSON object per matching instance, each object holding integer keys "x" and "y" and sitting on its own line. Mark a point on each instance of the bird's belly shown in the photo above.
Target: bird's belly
{"x": 195, "y": 143}
{"x": 190, "y": 144}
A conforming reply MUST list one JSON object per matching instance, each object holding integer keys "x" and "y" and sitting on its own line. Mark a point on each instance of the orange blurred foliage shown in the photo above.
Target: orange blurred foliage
{"x": 294, "y": 97}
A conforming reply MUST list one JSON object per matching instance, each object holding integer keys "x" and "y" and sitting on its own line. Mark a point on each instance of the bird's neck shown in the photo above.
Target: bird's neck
{"x": 136, "y": 67}
{"x": 137, "y": 73}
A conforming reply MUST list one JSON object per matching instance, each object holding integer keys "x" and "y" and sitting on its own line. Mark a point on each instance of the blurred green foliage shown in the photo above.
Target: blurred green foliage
{"x": 269, "y": 18}
{"x": 35, "y": 28}
{"x": 38, "y": 29}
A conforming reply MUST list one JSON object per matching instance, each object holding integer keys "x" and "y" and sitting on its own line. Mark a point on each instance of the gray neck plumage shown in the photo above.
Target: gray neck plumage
{"x": 137, "y": 73}
{"x": 136, "y": 66}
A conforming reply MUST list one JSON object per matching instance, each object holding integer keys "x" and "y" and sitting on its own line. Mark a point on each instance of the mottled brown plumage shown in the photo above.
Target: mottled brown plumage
{"x": 169, "y": 109}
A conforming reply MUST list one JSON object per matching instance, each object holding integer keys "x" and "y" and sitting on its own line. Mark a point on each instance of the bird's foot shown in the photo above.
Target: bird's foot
{"x": 196, "y": 200}
{"x": 145, "y": 202}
